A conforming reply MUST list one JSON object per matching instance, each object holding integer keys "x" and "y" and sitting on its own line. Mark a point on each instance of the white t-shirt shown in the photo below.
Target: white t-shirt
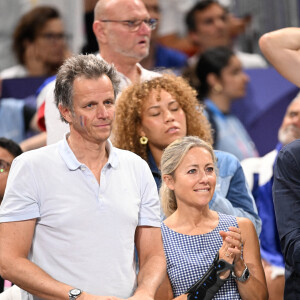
{"x": 84, "y": 234}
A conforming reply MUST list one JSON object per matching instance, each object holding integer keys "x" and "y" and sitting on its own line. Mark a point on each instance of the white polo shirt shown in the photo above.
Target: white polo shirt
{"x": 84, "y": 233}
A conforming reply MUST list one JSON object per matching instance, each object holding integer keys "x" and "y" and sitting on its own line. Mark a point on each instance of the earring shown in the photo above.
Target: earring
{"x": 143, "y": 140}
{"x": 217, "y": 88}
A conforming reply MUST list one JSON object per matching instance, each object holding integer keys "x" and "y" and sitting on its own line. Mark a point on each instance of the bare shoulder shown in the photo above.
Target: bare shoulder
{"x": 245, "y": 225}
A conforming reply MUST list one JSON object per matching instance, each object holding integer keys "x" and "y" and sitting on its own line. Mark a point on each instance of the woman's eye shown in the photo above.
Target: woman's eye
{"x": 210, "y": 170}
{"x": 192, "y": 171}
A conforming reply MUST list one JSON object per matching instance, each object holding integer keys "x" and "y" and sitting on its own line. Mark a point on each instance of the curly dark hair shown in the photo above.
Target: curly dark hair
{"x": 129, "y": 108}
{"x": 29, "y": 27}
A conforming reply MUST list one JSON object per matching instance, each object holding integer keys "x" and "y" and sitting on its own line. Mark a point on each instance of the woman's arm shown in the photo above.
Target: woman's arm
{"x": 255, "y": 286}
{"x": 281, "y": 48}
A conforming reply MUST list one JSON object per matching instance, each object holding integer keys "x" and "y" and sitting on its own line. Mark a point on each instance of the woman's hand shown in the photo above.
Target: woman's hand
{"x": 231, "y": 249}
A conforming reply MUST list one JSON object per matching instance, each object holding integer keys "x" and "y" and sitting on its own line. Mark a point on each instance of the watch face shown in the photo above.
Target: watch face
{"x": 75, "y": 292}
{"x": 247, "y": 273}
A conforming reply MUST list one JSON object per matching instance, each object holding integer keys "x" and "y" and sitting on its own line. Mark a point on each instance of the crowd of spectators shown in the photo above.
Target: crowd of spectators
{"x": 137, "y": 181}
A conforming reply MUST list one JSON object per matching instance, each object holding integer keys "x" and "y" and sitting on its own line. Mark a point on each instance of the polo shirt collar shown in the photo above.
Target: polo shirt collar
{"x": 72, "y": 162}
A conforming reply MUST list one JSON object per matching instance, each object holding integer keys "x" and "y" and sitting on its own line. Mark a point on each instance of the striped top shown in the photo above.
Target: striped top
{"x": 189, "y": 257}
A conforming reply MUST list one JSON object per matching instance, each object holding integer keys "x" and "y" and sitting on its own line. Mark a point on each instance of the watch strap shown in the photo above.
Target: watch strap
{"x": 245, "y": 275}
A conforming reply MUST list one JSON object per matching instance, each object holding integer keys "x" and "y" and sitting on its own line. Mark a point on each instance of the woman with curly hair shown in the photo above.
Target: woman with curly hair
{"x": 152, "y": 114}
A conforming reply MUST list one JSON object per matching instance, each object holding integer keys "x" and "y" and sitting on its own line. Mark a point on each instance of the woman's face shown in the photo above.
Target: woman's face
{"x": 194, "y": 179}
{"x": 163, "y": 121}
{"x": 50, "y": 44}
{"x": 233, "y": 79}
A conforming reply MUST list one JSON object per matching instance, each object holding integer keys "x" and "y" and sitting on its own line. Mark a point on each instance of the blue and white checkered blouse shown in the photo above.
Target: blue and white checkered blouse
{"x": 190, "y": 256}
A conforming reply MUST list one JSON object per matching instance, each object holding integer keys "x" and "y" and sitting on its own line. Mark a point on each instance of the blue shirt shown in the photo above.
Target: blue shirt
{"x": 232, "y": 195}
{"x": 259, "y": 175}
{"x": 232, "y": 136}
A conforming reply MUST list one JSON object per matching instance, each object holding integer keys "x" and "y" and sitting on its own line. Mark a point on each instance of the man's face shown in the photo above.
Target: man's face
{"x": 93, "y": 109}
{"x": 290, "y": 127}
{"x": 6, "y": 159}
{"x": 50, "y": 45}
{"x": 120, "y": 39}
{"x": 212, "y": 28}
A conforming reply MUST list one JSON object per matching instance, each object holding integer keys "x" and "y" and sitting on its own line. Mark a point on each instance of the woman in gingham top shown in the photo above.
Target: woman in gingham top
{"x": 193, "y": 234}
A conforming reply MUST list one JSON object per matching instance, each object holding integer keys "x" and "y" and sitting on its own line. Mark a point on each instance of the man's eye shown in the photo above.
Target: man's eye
{"x": 131, "y": 23}
{"x": 90, "y": 105}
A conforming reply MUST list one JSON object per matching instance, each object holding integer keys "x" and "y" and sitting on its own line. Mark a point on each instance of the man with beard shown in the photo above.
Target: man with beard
{"x": 259, "y": 174}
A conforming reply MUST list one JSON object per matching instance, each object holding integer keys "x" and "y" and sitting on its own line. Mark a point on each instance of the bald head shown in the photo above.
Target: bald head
{"x": 118, "y": 43}
{"x": 104, "y": 8}
{"x": 290, "y": 127}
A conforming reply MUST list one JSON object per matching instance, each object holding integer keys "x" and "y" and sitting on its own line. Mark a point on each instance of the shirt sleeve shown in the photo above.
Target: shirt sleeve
{"x": 149, "y": 214}
{"x": 20, "y": 198}
{"x": 286, "y": 195}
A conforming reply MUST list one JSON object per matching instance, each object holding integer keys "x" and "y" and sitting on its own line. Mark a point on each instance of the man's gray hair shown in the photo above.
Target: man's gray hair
{"x": 86, "y": 66}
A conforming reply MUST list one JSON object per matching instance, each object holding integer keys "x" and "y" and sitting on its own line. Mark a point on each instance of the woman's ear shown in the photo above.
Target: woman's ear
{"x": 169, "y": 181}
{"x": 212, "y": 79}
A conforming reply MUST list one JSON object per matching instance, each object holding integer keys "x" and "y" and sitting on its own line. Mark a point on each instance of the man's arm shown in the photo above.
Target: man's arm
{"x": 152, "y": 262}
{"x": 15, "y": 243}
{"x": 281, "y": 48}
{"x": 286, "y": 195}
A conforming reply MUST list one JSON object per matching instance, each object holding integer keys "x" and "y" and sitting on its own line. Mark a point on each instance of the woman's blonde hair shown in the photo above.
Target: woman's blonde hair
{"x": 171, "y": 158}
{"x": 129, "y": 108}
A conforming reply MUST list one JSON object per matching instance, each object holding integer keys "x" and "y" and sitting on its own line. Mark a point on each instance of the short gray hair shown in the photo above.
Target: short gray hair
{"x": 171, "y": 158}
{"x": 87, "y": 66}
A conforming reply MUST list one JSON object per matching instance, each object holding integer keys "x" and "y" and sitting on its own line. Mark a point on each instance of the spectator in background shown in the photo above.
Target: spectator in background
{"x": 39, "y": 43}
{"x": 8, "y": 151}
{"x": 222, "y": 81}
{"x": 160, "y": 56}
{"x": 152, "y": 114}
{"x": 123, "y": 30}
{"x": 259, "y": 174}
{"x": 208, "y": 25}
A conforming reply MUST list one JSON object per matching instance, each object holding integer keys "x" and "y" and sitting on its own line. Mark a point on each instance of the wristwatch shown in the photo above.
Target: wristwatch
{"x": 74, "y": 293}
{"x": 244, "y": 276}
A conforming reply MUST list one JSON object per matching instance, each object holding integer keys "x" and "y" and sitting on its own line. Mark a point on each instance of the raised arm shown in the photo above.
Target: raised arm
{"x": 152, "y": 262}
{"x": 281, "y": 48}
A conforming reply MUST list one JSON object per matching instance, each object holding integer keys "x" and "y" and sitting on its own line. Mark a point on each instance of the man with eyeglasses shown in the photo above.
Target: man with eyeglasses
{"x": 123, "y": 30}
{"x": 8, "y": 151}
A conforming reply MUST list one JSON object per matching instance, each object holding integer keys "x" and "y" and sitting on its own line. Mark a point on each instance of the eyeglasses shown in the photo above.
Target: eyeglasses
{"x": 53, "y": 37}
{"x": 134, "y": 25}
{"x": 4, "y": 166}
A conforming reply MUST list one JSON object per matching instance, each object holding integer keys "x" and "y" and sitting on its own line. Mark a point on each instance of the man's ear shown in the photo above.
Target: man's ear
{"x": 212, "y": 79}
{"x": 100, "y": 31}
{"x": 169, "y": 181}
{"x": 65, "y": 112}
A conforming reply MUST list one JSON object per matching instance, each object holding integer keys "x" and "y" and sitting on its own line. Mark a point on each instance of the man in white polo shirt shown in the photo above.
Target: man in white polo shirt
{"x": 73, "y": 211}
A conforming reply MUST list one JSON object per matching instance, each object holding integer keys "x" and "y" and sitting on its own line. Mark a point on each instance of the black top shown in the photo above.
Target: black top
{"x": 286, "y": 195}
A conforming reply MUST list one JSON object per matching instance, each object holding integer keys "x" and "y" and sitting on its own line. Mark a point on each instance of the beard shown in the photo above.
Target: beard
{"x": 288, "y": 134}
